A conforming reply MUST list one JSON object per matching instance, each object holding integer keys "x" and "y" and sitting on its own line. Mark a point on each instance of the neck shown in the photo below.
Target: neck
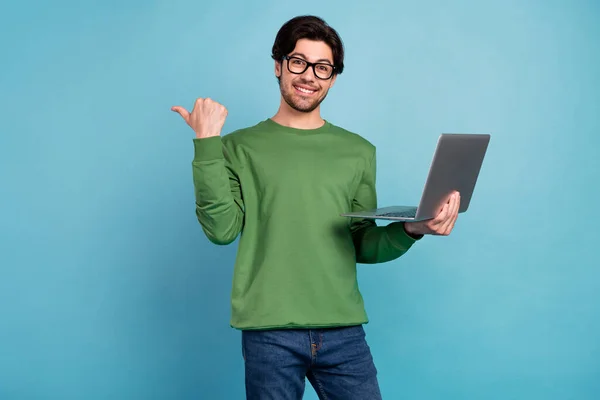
{"x": 287, "y": 116}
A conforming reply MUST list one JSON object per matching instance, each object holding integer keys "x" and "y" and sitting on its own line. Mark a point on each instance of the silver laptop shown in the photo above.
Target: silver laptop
{"x": 456, "y": 164}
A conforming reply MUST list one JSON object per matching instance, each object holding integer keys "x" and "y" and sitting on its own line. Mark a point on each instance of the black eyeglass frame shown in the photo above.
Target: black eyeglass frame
{"x": 308, "y": 65}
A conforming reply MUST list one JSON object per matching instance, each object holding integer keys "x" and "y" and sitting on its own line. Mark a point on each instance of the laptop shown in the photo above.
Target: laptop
{"x": 456, "y": 164}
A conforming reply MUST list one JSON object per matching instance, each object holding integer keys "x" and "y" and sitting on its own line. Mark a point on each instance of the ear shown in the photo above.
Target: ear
{"x": 277, "y": 69}
{"x": 332, "y": 81}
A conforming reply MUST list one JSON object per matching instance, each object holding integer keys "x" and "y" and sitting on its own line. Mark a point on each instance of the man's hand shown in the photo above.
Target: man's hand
{"x": 442, "y": 224}
{"x": 206, "y": 119}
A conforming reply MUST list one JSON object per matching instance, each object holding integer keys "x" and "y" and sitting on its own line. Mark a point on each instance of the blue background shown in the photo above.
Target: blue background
{"x": 108, "y": 288}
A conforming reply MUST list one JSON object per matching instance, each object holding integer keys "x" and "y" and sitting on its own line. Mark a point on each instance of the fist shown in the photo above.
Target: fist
{"x": 206, "y": 119}
{"x": 442, "y": 224}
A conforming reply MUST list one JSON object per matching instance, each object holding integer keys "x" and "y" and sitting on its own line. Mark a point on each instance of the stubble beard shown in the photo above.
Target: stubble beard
{"x": 291, "y": 98}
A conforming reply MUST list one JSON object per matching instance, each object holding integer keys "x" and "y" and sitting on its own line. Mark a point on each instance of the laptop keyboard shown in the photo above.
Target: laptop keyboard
{"x": 399, "y": 214}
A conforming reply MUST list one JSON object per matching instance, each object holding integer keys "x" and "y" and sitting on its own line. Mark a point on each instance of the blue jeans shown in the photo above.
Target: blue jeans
{"x": 337, "y": 363}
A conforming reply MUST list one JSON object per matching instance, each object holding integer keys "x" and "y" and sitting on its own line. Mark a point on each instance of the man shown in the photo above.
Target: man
{"x": 283, "y": 184}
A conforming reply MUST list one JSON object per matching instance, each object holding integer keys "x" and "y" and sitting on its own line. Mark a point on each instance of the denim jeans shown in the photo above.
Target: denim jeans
{"x": 337, "y": 363}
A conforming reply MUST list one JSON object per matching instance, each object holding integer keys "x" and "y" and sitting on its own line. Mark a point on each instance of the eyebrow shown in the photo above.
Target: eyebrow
{"x": 319, "y": 60}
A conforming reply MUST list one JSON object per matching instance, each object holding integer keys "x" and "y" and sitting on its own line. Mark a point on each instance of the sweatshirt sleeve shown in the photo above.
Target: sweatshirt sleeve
{"x": 375, "y": 244}
{"x": 218, "y": 195}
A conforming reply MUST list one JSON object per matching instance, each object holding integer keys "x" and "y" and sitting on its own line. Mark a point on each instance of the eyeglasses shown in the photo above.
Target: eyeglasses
{"x": 299, "y": 66}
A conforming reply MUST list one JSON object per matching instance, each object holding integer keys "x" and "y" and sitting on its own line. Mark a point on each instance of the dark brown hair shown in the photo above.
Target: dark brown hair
{"x": 311, "y": 28}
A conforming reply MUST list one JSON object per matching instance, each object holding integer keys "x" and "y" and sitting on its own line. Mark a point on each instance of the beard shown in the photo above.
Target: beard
{"x": 298, "y": 102}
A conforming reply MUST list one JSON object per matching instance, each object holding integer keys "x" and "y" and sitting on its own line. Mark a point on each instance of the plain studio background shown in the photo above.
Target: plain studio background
{"x": 108, "y": 287}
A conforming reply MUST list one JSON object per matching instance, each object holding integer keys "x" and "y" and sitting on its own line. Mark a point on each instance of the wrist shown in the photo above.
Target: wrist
{"x": 203, "y": 135}
{"x": 408, "y": 229}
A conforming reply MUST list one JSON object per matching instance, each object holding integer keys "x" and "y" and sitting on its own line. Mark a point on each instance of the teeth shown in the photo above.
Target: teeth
{"x": 304, "y": 90}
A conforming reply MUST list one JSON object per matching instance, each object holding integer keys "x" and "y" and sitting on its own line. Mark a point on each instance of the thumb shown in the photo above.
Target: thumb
{"x": 181, "y": 111}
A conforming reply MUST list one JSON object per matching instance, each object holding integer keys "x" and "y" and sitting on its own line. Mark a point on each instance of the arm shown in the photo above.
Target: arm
{"x": 219, "y": 203}
{"x": 376, "y": 244}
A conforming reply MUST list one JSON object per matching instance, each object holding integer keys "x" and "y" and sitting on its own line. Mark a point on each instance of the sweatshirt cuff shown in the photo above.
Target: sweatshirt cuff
{"x": 398, "y": 234}
{"x": 208, "y": 149}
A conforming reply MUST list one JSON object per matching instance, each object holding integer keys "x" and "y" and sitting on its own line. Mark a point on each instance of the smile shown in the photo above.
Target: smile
{"x": 304, "y": 90}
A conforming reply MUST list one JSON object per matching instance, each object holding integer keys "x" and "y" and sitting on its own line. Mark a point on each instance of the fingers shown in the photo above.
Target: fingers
{"x": 437, "y": 224}
{"x": 450, "y": 221}
{"x": 182, "y": 111}
{"x": 445, "y": 217}
{"x": 443, "y": 223}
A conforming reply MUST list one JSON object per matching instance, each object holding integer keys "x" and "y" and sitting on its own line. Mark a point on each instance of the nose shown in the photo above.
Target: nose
{"x": 309, "y": 75}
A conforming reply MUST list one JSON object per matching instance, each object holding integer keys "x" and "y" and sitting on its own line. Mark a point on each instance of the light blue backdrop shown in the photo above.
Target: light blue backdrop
{"x": 108, "y": 288}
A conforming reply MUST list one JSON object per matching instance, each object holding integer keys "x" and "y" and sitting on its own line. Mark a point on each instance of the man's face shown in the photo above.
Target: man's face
{"x": 305, "y": 92}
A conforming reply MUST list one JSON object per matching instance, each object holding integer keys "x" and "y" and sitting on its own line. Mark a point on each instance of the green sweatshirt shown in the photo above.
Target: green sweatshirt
{"x": 283, "y": 190}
